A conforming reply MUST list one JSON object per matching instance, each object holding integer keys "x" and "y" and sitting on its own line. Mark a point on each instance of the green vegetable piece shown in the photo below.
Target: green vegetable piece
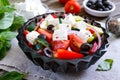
{"x": 17, "y": 23}
{"x": 7, "y": 20}
{"x": 12, "y": 76}
{"x": 8, "y": 8}
{"x": 4, "y": 2}
{"x": 38, "y": 46}
{"x": 31, "y": 27}
{"x": 76, "y": 29}
{"x": 90, "y": 39}
{"x": 43, "y": 42}
{"x": 60, "y": 20}
{"x": 105, "y": 65}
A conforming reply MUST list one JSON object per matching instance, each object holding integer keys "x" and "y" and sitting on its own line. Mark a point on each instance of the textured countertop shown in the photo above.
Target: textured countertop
{"x": 113, "y": 52}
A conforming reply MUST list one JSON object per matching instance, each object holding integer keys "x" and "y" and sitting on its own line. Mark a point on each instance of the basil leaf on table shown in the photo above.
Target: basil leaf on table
{"x": 5, "y": 44}
{"x": 6, "y": 20}
{"x": 12, "y": 76}
{"x": 4, "y": 2}
{"x": 8, "y": 8}
{"x": 17, "y": 23}
{"x": 105, "y": 65}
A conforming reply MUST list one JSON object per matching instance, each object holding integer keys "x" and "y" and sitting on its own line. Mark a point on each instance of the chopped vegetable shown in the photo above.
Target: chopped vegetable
{"x": 105, "y": 65}
{"x": 48, "y": 34}
{"x": 94, "y": 48}
{"x": 43, "y": 42}
{"x": 66, "y": 55}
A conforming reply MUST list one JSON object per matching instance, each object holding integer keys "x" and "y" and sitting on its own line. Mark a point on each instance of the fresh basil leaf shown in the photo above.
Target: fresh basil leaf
{"x": 105, "y": 65}
{"x": 4, "y": 2}
{"x": 17, "y": 23}
{"x": 1, "y": 45}
{"x": 7, "y": 20}
{"x": 8, "y": 8}
{"x": 8, "y": 35}
{"x": 2, "y": 52}
{"x": 12, "y": 76}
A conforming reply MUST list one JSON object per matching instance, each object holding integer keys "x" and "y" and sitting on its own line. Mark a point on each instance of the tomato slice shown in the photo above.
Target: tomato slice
{"x": 60, "y": 44}
{"x": 46, "y": 33}
{"x": 67, "y": 55}
{"x": 75, "y": 42}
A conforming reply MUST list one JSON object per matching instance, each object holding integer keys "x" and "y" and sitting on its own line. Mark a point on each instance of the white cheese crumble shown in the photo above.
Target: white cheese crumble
{"x": 60, "y": 35}
{"x": 69, "y": 19}
{"x": 31, "y": 37}
{"x": 84, "y": 35}
{"x": 65, "y": 27}
{"x": 80, "y": 25}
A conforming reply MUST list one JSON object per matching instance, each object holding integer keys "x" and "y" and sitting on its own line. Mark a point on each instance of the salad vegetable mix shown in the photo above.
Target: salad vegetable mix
{"x": 63, "y": 37}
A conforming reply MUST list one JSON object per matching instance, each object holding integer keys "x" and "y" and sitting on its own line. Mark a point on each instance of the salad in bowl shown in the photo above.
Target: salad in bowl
{"x": 62, "y": 42}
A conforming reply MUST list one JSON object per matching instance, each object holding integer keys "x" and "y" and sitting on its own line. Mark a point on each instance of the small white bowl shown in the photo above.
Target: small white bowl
{"x": 98, "y": 13}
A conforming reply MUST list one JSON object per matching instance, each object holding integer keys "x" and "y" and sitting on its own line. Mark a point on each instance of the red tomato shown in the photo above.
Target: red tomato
{"x": 72, "y": 6}
{"x": 63, "y": 1}
{"x": 45, "y": 32}
{"x": 25, "y": 32}
{"x": 75, "y": 42}
{"x": 60, "y": 44}
{"x": 67, "y": 55}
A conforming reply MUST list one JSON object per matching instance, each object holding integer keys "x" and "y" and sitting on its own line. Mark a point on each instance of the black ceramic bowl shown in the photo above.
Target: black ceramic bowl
{"x": 75, "y": 65}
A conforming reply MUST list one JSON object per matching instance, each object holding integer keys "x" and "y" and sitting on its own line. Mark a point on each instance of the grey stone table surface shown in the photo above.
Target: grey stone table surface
{"x": 113, "y": 52}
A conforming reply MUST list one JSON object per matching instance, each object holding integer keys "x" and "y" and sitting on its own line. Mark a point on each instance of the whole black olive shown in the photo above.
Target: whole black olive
{"x": 85, "y": 47}
{"x": 42, "y": 36}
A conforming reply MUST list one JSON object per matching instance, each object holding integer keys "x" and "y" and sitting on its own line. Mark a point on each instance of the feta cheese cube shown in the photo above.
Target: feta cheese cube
{"x": 49, "y": 17}
{"x": 80, "y": 25}
{"x": 84, "y": 35}
{"x": 43, "y": 25}
{"x": 60, "y": 35}
{"x": 54, "y": 22}
{"x": 69, "y": 19}
{"x": 31, "y": 37}
{"x": 65, "y": 27}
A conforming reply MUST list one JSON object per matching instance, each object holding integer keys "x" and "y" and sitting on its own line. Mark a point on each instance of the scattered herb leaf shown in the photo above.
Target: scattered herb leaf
{"x": 17, "y": 23}
{"x": 4, "y": 3}
{"x": 8, "y": 8}
{"x": 12, "y": 76}
{"x": 105, "y": 65}
{"x": 7, "y": 20}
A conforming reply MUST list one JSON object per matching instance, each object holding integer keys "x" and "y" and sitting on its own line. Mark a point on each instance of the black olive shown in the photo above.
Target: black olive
{"x": 89, "y": 4}
{"x": 100, "y": 9}
{"x": 38, "y": 46}
{"x": 93, "y": 6}
{"x": 61, "y": 16}
{"x": 48, "y": 52}
{"x": 85, "y": 53}
{"x": 85, "y": 47}
{"x": 110, "y": 7}
{"x": 106, "y": 3}
{"x": 106, "y": 9}
{"x": 99, "y": 4}
{"x": 50, "y": 27}
{"x": 42, "y": 36}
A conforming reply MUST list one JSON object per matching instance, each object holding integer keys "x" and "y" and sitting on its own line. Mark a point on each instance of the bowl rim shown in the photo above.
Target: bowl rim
{"x": 99, "y": 12}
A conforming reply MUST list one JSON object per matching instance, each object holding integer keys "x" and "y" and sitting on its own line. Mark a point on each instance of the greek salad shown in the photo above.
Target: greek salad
{"x": 63, "y": 37}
